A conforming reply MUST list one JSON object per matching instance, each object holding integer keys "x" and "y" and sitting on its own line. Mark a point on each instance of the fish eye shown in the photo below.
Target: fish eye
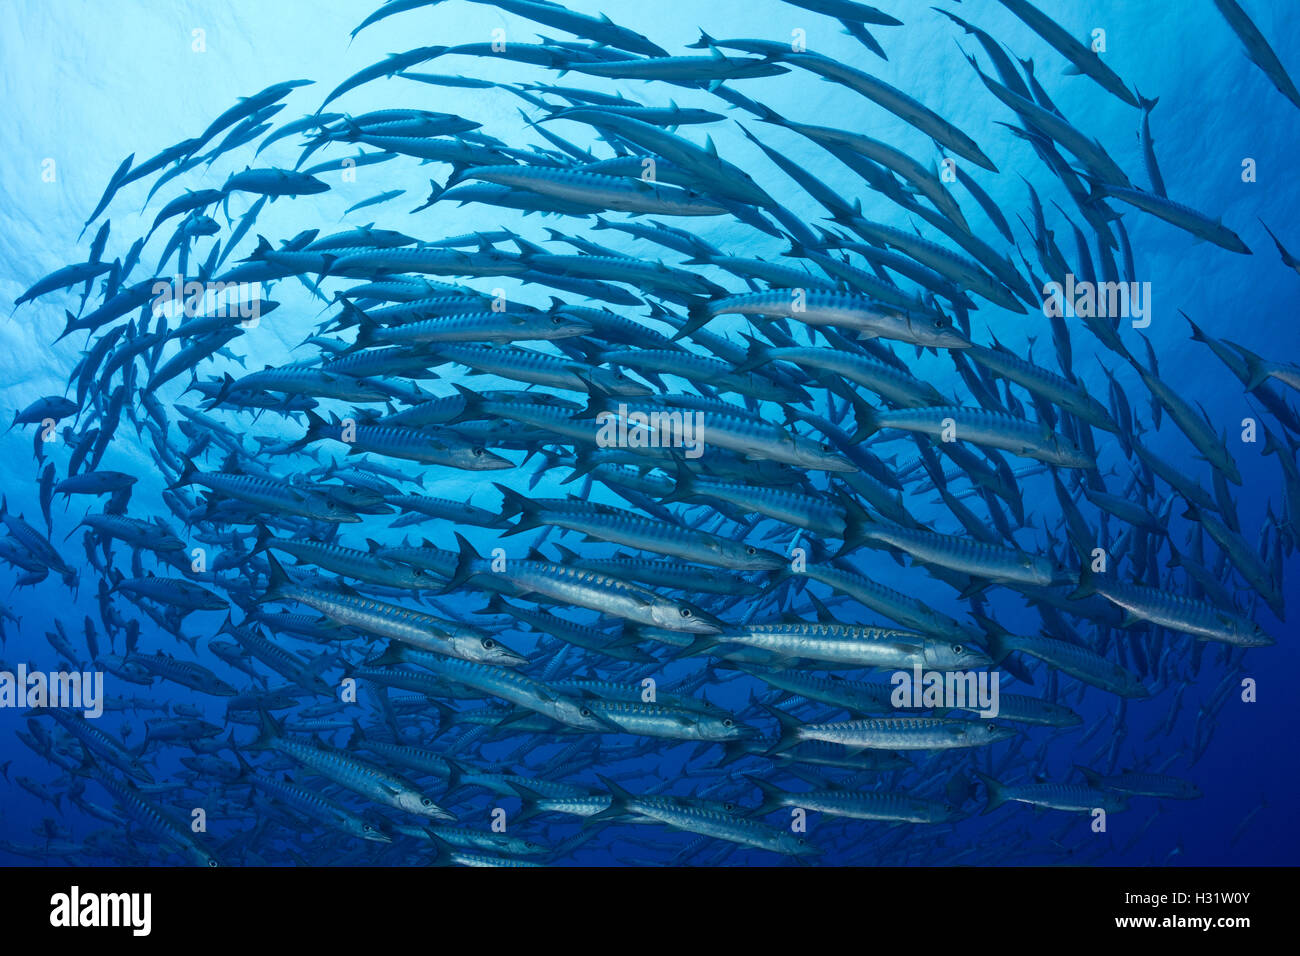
{"x": 826, "y": 446}
{"x": 488, "y": 643}
{"x": 686, "y": 612}
{"x": 585, "y": 712}
{"x": 212, "y": 863}
{"x": 477, "y": 452}
{"x": 957, "y": 648}
{"x": 751, "y": 550}
{"x": 728, "y": 722}
{"x": 556, "y": 320}
{"x": 367, "y": 828}
{"x": 729, "y": 807}
{"x": 426, "y": 802}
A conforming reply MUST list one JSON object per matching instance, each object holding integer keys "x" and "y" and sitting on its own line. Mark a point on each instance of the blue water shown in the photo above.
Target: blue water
{"x": 84, "y": 85}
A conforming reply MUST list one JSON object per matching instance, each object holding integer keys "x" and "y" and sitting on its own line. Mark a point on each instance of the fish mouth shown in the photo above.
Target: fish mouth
{"x": 701, "y": 622}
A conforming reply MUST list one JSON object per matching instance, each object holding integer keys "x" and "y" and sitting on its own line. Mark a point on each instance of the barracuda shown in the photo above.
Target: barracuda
{"x": 275, "y": 496}
{"x": 539, "y": 368}
{"x": 594, "y": 189}
{"x": 588, "y": 589}
{"x": 958, "y": 553}
{"x": 443, "y": 447}
{"x": 1175, "y": 611}
{"x": 695, "y": 818}
{"x": 349, "y": 562}
{"x": 905, "y": 733}
{"x": 645, "y": 534}
{"x": 317, "y": 807}
{"x": 992, "y": 429}
{"x": 1058, "y": 390}
{"x": 868, "y": 318}
{"x": 890, "y": 807}
{"x": 1080, "y": 662}
{"x": 512, "y": 686}
{"x": 351, "y": 773}
{"x": 739, "y": 433}
{"x": 813, "y": 513}
{"x": 472, "y": 327}
{"x": 663, "y": 574}
{"x": 1051, "y": 796}
{"x": 702, "y": 370}
{"x": 893, "y": 384}
{"x": 849, "y": 645}
{"x": 415, "y": 628}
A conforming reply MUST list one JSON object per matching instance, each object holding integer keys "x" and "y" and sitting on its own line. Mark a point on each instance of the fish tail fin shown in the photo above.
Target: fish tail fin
{"x": 473, "y": 404}
{"x": 262, "y": 539}
{"x": 619, "y": 800}
{"x": 267, "y": 730}
{"x": 186, "y": 477}
{"x": 513, "y": 502}
{"x": 697, "y": 317}
{"x": 774, "y": 798}
{"x": 70, "y": 325}
{"x": 868, "y": 421}
{"x": 464, "y": 564}
{"x": 1091, "y": 776}
{"x": 757, "y": 354}
{"x": 279, "y": 577}
{"x": 263, "y": 247}
{"x": 392, "y": 654}
{"x": 789, "y": 730}
{"x": 1258, "y": 370}
{"x": 245, "y": 768}
{"x": 684, "y": 484}
{"x": 997, "y": 793}
{"x": 1087, "y": 584}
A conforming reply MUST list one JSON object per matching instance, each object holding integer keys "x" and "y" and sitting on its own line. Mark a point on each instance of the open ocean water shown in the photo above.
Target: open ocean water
{"x": 86, "y": 85}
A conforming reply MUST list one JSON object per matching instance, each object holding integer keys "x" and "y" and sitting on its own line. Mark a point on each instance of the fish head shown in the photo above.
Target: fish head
{"x": 937, "y": 332}
{"x": 724, "y": 728}
{"x": 617, "y": 382}
{"x": 989, "y": 732}
{"x": 557, "y": 325}
{"x": 365, "y": 830}
{"x": 751, "y": 558}
{"x": 821, "y": 456}
{"x": 478, "y": 458}
{"x": 948, "y": 655}
{"x": 575, "y": 713}
{"x": 491, "y": 651}
{"x": 676, "y": 616}
{"x": 792, "y": 844}
{"x": 422, "y": 806}
{"x": 1044, "y": 573}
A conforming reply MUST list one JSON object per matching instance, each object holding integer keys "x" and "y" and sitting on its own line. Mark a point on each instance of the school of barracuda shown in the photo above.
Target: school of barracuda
{"x": 395, "y": 677}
